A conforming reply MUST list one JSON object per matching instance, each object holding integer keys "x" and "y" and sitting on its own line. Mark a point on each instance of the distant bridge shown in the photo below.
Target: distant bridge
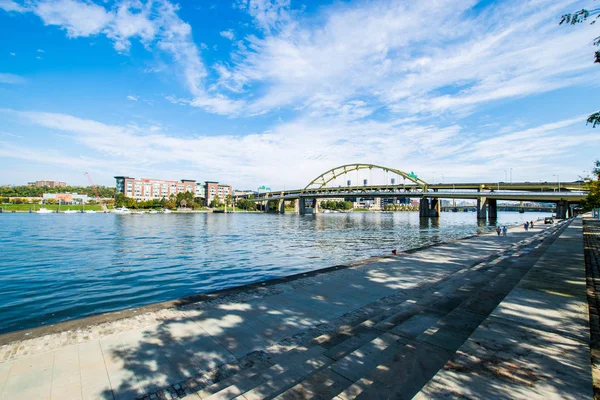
{"x": 487, "y": 194}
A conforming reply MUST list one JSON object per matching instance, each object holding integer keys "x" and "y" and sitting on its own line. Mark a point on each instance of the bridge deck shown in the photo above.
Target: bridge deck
{"x": 380, "y": 328}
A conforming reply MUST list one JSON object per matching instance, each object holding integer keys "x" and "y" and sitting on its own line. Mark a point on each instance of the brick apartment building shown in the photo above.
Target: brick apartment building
{"x": 150, "y": 189}
{"x": 214, "y": 189}
{"x": 48, "y": 183}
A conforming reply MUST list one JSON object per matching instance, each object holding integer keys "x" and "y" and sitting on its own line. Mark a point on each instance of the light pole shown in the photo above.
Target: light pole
{"x": 557, "y": 180}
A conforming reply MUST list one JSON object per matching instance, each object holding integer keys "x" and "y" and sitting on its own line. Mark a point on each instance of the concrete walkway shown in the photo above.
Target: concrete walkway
{"x": 380, "y": 329}
{"x": 536, "y": 343}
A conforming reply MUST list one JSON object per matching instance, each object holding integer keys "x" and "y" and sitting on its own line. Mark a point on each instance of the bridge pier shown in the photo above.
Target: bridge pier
{"x": 492, "y": 209}
{"x": 429, "y": 208}
{"x": 562, "y": 206}
{"x": 316, "y": 206}
{"x": 297, "y": 205}
{"x": 302, "y": 206}
{"x": 281, "y": 206}
{"x": 481, "y": 208}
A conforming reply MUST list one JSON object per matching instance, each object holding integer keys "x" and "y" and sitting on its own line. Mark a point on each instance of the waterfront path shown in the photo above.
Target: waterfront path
{"x": 505, "y": 312}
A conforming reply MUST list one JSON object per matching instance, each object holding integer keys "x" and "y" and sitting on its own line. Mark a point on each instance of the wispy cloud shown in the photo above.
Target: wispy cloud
{"x": 11, "y": 79}
{"x": 228, "y": 34}
{"x": 381, "y": 52}
{"x": 9, "y": 5}
{"x": 132, "y": 98}
{"x": 304, "y": 147}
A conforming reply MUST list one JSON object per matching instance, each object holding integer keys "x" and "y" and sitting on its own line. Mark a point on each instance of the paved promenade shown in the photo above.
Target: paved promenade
{"x": 488, "y": 317}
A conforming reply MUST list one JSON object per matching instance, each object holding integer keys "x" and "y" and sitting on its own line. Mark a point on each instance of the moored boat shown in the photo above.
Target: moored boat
{"x": 44, "y": 210}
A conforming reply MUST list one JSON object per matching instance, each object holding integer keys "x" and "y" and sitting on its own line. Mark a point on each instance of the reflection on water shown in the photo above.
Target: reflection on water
{"x": 56, "y": 267}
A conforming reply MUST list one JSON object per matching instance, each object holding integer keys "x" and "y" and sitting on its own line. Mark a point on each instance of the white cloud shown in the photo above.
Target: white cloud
{"x": 303, "y": 148}
{"x": 40, "y": 51}
{"x": 270, "y": 15}
{"x": 228, "y": 34}
{"x": 76, "y": 17}
{"x": 9, "y": 5}
{"x": 13, "y": 54}
{"x": 132, "y": 98}
{"x": 11, "y": 79}
{"x": 407, "y": 57}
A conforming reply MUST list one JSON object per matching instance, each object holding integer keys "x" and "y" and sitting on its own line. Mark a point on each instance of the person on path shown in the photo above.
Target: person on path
{"x": 526, "y": 225}
{"x": 498, "y": 230}
{"x": 531, "y": 224}
{"x": 504, "y": 230}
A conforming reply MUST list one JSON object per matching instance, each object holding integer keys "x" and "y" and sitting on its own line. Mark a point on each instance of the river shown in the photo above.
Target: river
{"x": 57, "y": 267}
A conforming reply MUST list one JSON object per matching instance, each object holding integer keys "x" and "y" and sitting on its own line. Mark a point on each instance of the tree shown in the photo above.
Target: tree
{"x": 216, "y": 202}
{"x": 593, "y": 185}
{"x": 578, "y": 17}
{"x": 119, "y": 199}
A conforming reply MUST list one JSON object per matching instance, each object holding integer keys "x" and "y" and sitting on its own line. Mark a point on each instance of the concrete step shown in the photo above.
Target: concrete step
{"x": 267, "y": 379}
{"x": 436, "y": 317}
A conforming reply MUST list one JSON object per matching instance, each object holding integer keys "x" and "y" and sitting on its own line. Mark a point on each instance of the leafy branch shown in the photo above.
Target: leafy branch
{"x": 578, "y": 17}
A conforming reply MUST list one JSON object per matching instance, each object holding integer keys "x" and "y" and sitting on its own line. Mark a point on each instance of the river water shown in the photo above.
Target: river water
{"x": 57, "y": 267}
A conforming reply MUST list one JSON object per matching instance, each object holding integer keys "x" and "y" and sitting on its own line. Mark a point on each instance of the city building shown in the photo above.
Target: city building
{"x": 200, "y": 191}
{"x": 48, "y": 183}
{"x": 66, "y": 198}
{"x": 216, "y": 189}
{"x": 150, "y": 189}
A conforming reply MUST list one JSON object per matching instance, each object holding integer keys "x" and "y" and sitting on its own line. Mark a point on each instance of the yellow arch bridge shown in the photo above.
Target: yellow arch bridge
{"x": 563, "y": 194}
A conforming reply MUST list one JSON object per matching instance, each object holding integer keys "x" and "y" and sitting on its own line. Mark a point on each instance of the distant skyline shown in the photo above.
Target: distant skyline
{"x": 275, "y": 92}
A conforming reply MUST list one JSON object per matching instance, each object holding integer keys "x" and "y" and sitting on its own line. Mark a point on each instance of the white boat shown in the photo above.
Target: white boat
{"x": 121, "y": 210}
{"x": 44, "y": 210}
{"x": 152, "y": 212}
{"x": 69, "y": 211}
{"x": 90, "y": 212}
{"x": 167, "y": 211}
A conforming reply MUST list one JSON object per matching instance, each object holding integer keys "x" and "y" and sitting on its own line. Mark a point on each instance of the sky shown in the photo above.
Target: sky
{"x": 275, "y": 92}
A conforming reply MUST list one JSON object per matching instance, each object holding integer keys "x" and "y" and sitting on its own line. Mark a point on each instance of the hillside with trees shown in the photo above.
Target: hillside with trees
{"x": 38, "y": 191}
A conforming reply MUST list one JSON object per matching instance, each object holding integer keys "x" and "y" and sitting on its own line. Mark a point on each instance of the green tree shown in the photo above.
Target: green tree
{"x": 216, "y": 202}
{"x": 119, "y": 199}
{"x": 578, "y": 17}
{"x": 593, "y": 185}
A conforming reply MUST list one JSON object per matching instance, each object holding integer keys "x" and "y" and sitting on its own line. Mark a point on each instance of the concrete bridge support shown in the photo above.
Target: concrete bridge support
{"x": 281, "y": 206}
{"x": 429, "y": 208}
{"x": 297, "y": 205}
{"x": 302, "y": 206}
{"x": 316, "y": 206}
{"x": 482, "y": 206}
{"x": 562, "y": 208}
{"x": 492, "y": 209}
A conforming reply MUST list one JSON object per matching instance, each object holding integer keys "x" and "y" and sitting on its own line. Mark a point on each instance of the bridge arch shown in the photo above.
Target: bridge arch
{"x": 322, "y": 180}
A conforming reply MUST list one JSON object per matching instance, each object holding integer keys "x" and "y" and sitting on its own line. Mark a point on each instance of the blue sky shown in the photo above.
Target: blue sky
{"x": 259, "y": 92}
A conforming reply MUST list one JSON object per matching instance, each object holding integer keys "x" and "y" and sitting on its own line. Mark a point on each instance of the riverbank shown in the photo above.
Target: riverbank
{"x": 270, "y": 337}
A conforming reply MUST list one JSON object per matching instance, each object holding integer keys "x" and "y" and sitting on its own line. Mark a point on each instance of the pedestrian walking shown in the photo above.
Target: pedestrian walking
{"x": 526, "y": 225}
{"x": 504, "y": 230}
{"x": 531, "y": 224}
{"x": 498, "y": 231}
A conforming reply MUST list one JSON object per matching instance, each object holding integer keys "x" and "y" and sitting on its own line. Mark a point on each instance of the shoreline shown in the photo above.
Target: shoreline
{"x": 113, "y": 316}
